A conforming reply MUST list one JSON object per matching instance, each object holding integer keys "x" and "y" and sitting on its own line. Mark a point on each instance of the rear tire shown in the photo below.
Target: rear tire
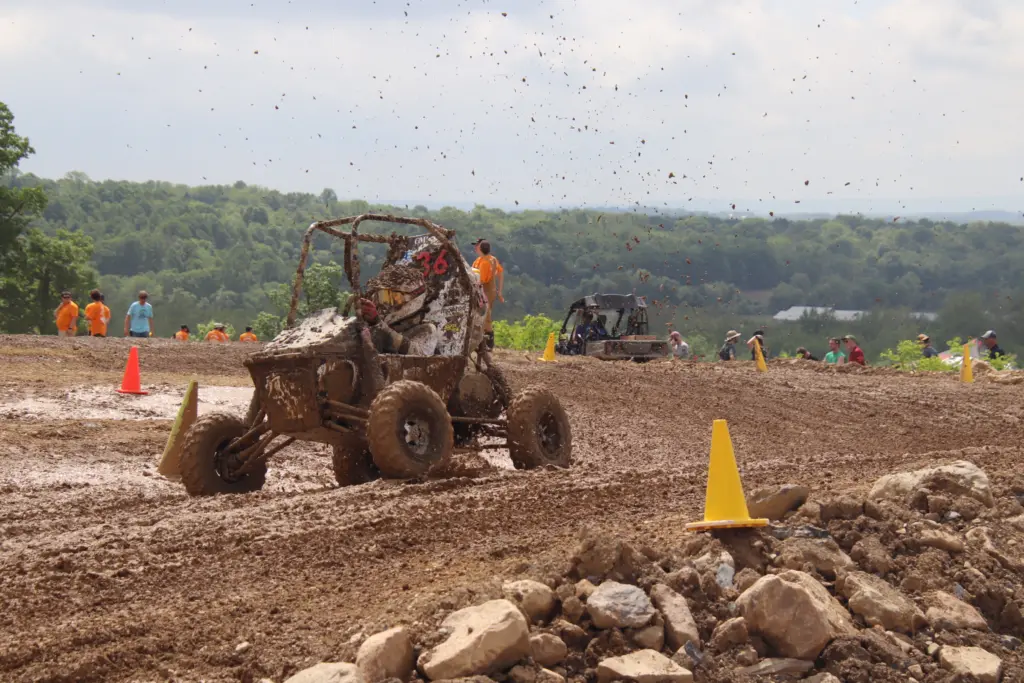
{"x": 409, "y": 430}
{"x": 200, "y": 458}
{"x": 538, "y": 430}
{"x": 352, "y": 462}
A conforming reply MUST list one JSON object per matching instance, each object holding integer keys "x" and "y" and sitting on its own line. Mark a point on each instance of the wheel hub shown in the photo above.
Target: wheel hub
{"x": 416, "y": 433}
{"x": 547, "y": 430}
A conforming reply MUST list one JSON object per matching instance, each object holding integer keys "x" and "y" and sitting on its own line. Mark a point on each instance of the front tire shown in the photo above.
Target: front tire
{"x": 409, "y": 430}
{"x": 201, "y": 468}
{"x": 538, "y": 430}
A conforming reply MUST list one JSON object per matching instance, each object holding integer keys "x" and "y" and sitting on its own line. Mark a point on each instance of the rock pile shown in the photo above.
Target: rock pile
{"x": 921, "y": 581}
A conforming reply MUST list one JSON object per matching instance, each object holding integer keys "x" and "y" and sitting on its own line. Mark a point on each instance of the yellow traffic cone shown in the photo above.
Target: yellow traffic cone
{"x": 966, "y": 371}
{"x": 761, "y": 366}
{"x": 724, "y": 504}
{"x": 549, "y": 350}
{"x": 188, "y": 412}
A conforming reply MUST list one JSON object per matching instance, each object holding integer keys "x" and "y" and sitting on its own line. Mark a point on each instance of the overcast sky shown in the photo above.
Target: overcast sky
{"x": 858, "y": 103}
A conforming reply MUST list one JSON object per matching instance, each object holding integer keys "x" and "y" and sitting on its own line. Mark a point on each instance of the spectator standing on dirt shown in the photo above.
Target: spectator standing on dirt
{"x": 492, "y": 277}
{"x": 66, "y": 316}
{"x": 248, "y": 336}
{"x": 680, "y": 349}
{"x": 853, "y": 351}
{"x": 139, "y": 320}
{"x": 97, "y": 314}
{"x": 758, "y": 338}
{"x": 728, "y": 350}
{"x": 834, "y": 356}
{"x": 927, "y": 350}
{"x": 217, "y": 334}
{"x": 183, "y": 334}
{"x": 804, "y": 354}
{"x": 990, "y": 342}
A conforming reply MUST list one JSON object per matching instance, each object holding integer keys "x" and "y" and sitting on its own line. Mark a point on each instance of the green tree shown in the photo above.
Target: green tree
{"x": 18, "y": 205}
{"x": 35, "y": 271}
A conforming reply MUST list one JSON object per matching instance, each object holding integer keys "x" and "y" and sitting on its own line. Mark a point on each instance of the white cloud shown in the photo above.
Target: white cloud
{"x": 746, "y": 98}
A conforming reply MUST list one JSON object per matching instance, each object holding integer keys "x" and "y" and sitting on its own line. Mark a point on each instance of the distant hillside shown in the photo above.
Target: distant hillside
{"x": 214, "y": 251}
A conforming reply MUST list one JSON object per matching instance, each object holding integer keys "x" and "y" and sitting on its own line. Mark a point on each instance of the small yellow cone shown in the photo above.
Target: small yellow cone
{"x": 549, "y": 350}
{"x": 966, "y": 371}
{"x": 761, "y": 366}
{"x": 724, "y": 505}
{"x": 170, "y": 463}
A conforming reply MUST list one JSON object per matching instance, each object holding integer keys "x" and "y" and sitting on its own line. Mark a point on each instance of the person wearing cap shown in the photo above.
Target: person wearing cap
{"x": 728, "y": 350}
{"x": 492, "y": 277}
{"x": 248, "y": 336}
{"x": 66, "y": 316}
{"x": 990, "y": 342}
{"x": 856, "y": 356}
{"x": 218, "y": 334}
{"x": 835, "y": 356}
{"x": 927, "y": 350}
{"x": 680, "y": 349}
{"x": 139, "y": 320}
{"x": 183, "y": 334}
{"x": 758, "y": 338}
{"x": 804, "y": 354}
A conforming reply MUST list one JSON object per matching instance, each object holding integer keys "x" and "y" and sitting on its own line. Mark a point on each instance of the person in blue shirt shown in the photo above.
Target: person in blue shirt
{"x": 926, "y": 346}
{"x": 139, "y": 321}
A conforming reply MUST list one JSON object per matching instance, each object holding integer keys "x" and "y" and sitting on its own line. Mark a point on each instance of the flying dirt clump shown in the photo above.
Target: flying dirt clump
{"x": 793, "y": 599}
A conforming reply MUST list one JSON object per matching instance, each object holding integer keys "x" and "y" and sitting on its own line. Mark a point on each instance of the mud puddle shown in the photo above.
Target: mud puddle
{"x": 91, "y": 403}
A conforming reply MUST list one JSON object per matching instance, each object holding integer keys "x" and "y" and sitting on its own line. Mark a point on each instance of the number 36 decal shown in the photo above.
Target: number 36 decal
{"x": 438, "y": 266}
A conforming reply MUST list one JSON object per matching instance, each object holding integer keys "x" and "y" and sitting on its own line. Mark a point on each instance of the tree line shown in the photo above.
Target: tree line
{"x": 225, "y": 252}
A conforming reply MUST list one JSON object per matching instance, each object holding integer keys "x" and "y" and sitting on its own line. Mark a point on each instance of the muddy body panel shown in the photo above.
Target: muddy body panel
{"x": 628, "y": 349}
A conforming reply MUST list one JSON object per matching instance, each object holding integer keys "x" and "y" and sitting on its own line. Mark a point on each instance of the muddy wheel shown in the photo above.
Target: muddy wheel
{"x": 201, "y": 461}
{"x": 352, "y": 462}
{"x": 409, "y": 430}
{"x": 538, "y": 430}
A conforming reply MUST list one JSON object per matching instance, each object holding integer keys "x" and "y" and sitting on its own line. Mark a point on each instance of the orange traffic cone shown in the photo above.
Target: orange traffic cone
{"x": 132, "y": 382}
{"x": 724, "y": 505}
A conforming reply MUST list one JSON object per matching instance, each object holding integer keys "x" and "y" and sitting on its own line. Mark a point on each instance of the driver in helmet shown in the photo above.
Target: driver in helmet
{"x": 394, "y": 308}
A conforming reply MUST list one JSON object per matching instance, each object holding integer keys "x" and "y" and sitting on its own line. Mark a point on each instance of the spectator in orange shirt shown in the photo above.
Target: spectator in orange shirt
{"x": 492, "y": 277}
{"x": 248, "y": 336}
{"x": 183, "y": 333}
{"x": 218, "y": 334}
{"x": 66, "y": 316}
{"x": 97, "y": 314}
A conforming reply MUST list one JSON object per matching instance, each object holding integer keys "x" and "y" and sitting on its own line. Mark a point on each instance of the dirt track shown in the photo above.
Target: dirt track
{"x": 110, "y": 573}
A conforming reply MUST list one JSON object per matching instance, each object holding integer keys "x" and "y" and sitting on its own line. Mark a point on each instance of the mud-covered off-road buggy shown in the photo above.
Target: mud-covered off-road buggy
{"x": 391, "y": 415}
{"x": 610, "y": 327}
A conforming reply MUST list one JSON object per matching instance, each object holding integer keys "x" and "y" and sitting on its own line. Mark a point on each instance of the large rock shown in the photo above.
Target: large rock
{"x": 680, "y": 628}
{"x": 327, "y": 672}
{"x": 821, "y": 553}
{"x": 945, "y": 611}
{"x": 774, "y": 502}
{"x": 872, "y": 556}
{"x": 619, "y": 605}
{"x": 600, "y": 556}
{"x": 729, "y": 633}
{"x": 879, "y": 603}
{"x": 778, "y": 667}
{"x": 548, "y": 649}
{"x": 712, "y": 561}
{"x": 974, "y": 661}
{"x": 933, "y": 537}
{"x": 644, "y": 666}
{"x": 794, "y": 613}
{"x": 482, "y": 639}
{"x": 961, "y": 477}
{"x": 535, "y": 599}
{"x": 386, "y": 655}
